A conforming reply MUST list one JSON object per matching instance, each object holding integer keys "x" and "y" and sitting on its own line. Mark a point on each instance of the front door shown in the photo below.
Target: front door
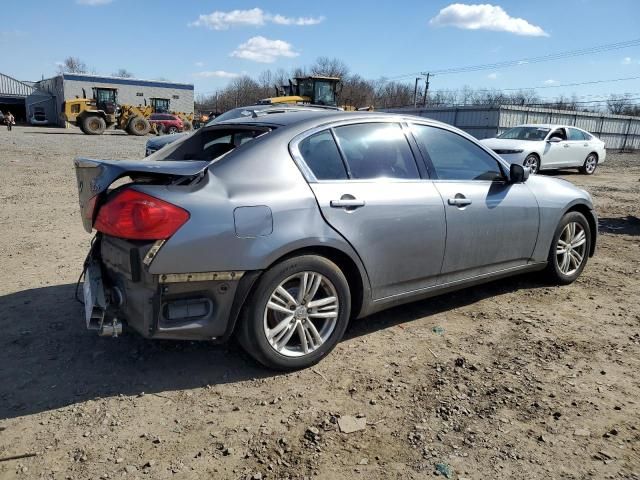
{"x": 557, "y": 154}
{"x": 370, "y": 190}
{"x": 492, "y": 225}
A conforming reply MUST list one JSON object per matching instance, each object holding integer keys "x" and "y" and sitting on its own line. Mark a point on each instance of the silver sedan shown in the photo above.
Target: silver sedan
{"x": 280, "y": 229}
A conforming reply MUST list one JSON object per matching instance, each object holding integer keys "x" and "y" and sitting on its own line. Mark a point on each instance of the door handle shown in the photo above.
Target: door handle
{"x": 585, "y": 145}
{"x": 566, "y": 145}
{"x": 347, "y": 203}
{"x": 459, "y": 202}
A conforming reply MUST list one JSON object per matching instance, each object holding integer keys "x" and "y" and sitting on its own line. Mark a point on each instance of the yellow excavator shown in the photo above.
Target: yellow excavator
{"x": 310, "y": 90}
{"x": 95, "y": 115}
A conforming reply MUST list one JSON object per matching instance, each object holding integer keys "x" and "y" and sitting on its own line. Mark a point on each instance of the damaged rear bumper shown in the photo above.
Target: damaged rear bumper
{"x": 181, "y": 306}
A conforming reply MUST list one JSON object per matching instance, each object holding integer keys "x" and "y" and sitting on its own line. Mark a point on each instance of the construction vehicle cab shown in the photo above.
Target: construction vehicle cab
{"x": 313, "y": 89}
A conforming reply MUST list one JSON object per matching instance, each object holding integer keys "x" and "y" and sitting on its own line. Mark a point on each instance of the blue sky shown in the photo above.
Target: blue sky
{"x": 206, "y": 42}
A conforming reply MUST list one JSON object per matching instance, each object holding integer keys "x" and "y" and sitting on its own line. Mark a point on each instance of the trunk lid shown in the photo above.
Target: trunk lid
{"x": 95, "y": 176}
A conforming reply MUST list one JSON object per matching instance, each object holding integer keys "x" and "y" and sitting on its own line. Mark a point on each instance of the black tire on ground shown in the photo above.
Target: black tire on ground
{"x": 533, "y": 162}
{"x": 138, "y": 126}
{"x": 553, "y": 272}
{"x": 187, "y": 126}
{"x": 93, "y": 125}
{"x": 590, "y": 164}
{"x": 172, "y": 130}
{"x": 251, "y": 332}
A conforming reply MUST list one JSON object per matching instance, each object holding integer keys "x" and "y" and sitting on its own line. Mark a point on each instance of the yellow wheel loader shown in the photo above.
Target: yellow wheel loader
{"x": 314, "y": 90}
{"x": 95, "y": 115}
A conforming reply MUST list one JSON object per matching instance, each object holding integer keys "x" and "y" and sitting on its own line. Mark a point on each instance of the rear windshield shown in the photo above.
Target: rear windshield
{"x": 525, "y": 133}
{"x": 209, "y": 143}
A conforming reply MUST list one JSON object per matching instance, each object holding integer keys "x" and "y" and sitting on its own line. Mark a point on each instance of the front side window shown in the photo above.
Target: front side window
{"x": 321, "y": 155}
{"x": 455, "y": 157}
{"x": 558, "y": 133}
{"x": 377, "y": 150}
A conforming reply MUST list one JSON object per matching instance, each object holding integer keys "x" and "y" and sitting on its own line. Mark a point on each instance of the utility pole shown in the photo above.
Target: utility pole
{"x": 426, "y": 88}
{"x": 415, "y": 93}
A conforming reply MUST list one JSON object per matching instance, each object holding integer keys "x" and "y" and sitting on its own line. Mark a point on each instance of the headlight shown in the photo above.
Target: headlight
{"x": 501, "y": 151}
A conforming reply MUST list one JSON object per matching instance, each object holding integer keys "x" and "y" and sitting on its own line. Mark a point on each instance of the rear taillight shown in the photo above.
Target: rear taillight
{"x": 138, "y": 216}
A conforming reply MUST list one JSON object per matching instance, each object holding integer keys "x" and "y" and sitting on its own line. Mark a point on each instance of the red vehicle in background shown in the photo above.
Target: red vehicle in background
{"x": 166, "y": 122}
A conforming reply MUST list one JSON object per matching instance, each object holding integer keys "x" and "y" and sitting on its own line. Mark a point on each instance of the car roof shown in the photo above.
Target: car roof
{"x": 547, "y": 125}
{"x": 324, "y": 116}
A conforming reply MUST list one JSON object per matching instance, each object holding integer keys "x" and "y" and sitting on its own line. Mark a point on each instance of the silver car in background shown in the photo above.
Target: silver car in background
{"x": 281, "y": 228}
{"x": 547, "y": 147}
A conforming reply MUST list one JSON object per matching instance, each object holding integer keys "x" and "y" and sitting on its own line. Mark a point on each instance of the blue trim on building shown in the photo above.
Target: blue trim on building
{"x": 126, "y": 81}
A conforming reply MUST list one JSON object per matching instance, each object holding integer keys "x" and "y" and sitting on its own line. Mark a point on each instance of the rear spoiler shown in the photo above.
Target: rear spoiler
{"x": 95, "y": 176}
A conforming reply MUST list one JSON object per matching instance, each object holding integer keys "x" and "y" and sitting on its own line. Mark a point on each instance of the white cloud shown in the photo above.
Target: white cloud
{"x": 254, "y": 17}
{"x": 626, "y": 61}
{"x": 263, "y": 50}
{"x": 302, "y": 21}
{"x": 93, "y": 3}
{"x": 492, "y": 76}
{"x": 551, "y": 81}
{"x": 199, "y": 64}
{"x": 484, "y": 17}
{"x": 216, "y": 74}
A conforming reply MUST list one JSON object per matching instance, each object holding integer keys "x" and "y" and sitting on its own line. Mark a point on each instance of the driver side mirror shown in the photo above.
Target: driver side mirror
{"x": 518, "y": 173}
{"x": 554, "y": 140}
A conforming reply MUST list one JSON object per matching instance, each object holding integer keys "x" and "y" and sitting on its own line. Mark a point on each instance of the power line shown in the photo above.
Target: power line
{"x": 576, "y": 84}
{"x": 529, "y": 60}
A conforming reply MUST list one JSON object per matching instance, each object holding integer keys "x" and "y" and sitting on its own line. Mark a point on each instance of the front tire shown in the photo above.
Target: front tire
{"x": 532, "y": 162}
{"x": 138, "y": 126}
{"x": 296, "y": 314}
{"x": 590, "y": 164}
{"x": 93, "y": 125}
{"x": 569, "y": 250}
{"x": 172, "y": 130}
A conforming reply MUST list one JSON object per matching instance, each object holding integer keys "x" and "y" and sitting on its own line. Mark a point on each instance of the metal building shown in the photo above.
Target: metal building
{"x": 165, "y": 96}
{"x": 617, "y": 131}
{"x": 22, "y": 99}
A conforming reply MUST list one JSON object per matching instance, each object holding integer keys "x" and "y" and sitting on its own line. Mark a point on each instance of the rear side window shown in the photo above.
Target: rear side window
{"x": 377, "y": 150}
{"x": 455, "y": 157}
{"x": 575, "y": 134}
{"x": 321, "y": 155}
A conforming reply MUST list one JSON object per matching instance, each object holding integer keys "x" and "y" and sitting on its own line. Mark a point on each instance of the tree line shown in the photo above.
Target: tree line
{"x": 357, "y": 91}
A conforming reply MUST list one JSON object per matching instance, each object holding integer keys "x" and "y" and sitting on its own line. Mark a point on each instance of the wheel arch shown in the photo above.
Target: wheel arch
{"x": 356, "y": 279}
{"x": 590, "y": 215}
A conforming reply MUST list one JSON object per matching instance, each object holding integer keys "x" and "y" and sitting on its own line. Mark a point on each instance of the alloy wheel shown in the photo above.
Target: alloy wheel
{"x": 532, "y": 163}
{"x": 301, "y": 314}
{"x": 590, "y": 164}
{"x": 571, "y": 248}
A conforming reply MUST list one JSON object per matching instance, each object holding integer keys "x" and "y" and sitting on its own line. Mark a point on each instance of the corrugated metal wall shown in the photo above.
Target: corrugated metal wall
{"x": 11, "y": 87}
{"x": 617, "y": 131}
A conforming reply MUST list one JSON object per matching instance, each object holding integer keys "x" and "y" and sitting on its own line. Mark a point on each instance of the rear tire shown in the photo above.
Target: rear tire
{"x": 286, "y": 330}
{"x": 590, "y": 164}
{"x": 569, "y": 249}
{"x": 172, "y": 130}
{"x": 93, "y": 125}
{"x": 138, "y": 126}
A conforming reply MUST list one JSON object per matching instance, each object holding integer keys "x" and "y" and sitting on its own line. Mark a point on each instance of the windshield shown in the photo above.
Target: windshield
{"x": 525, "y": 133}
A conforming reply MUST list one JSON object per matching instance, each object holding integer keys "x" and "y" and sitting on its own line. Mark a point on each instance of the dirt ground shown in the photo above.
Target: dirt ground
{"x": 513, "y": 379}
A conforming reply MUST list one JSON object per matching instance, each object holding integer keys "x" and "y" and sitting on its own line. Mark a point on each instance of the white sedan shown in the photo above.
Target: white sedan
{"x": 543, "y": 147}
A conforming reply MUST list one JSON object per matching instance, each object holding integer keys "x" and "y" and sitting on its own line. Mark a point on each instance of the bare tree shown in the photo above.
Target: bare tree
{"x": 123, "y": 73}
{"x": 618, "y": 104}
{"x": 72, "y": 65}
{"x": 329, "y": 67}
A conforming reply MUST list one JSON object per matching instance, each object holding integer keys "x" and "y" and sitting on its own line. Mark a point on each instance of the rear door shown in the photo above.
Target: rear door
{"x": 372, "y": 191}
{"x": 579, "y": 147}
{"x": 492, "y": 225}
